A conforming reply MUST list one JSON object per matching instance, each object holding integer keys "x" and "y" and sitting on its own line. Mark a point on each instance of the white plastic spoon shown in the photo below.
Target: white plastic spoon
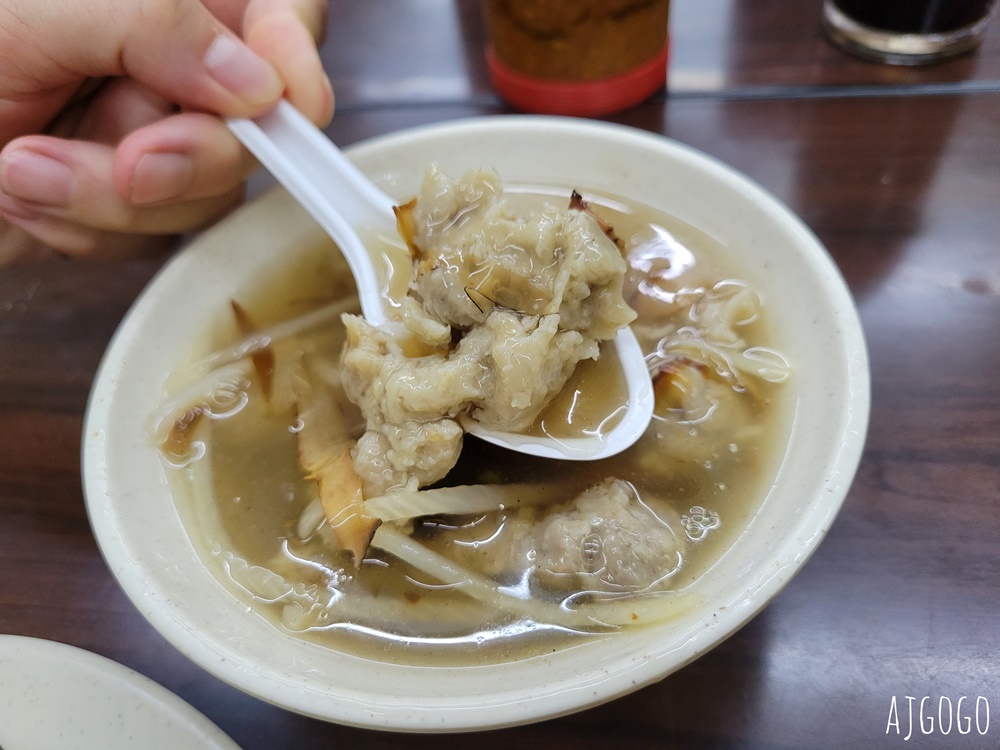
{"x": 347, "y": 204}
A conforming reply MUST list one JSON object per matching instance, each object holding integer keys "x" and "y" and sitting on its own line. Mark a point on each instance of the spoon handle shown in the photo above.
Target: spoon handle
{"x": 324, "y": 181}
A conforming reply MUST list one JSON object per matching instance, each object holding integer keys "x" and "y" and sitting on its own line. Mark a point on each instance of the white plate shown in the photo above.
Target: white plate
{"x": 58, "y": 697}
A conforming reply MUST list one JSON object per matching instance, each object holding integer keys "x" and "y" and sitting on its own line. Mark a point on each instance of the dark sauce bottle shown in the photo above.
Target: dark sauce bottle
{"x": 915, "y": 16}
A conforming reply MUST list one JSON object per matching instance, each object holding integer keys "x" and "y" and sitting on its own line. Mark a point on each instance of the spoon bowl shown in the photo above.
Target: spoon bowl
{"x": 347, "y": 205}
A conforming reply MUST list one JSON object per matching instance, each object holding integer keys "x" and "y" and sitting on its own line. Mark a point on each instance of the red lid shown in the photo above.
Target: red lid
{"x": 581, "y": 98}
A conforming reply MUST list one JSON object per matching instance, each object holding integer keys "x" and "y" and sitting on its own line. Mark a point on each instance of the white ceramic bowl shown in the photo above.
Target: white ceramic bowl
{"x": 148, "y": 550}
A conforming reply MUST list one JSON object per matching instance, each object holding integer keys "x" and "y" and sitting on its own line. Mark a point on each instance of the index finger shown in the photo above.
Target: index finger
{"x": 287, "y": 34}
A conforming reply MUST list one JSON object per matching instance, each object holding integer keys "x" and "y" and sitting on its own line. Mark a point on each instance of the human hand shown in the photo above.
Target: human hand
{"x": 110, "y": 112}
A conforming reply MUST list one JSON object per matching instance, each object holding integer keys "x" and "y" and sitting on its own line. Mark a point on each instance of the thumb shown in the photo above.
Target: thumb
{"x": 189, "y": 57}
{"x": 176, "y": 48}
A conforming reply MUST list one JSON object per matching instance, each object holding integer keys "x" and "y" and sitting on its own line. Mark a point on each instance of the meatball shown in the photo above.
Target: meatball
{"x": 606, "y": 539}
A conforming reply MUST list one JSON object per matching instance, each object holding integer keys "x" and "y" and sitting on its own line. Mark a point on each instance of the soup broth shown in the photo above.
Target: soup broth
{"x": 436, "y": 584}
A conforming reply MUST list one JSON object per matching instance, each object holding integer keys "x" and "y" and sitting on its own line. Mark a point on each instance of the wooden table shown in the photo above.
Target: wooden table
{"x": 898, "y": 172}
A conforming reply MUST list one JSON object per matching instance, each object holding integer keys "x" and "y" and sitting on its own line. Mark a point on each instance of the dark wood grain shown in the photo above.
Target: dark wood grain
{"x": 388, "y": 52}
{"x": 732, "y": 45}
{"x": 903, "y": 596}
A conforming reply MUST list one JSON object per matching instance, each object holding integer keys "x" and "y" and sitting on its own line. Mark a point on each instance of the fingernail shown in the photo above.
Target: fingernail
{"x": 235, "y": 67}
{"x": 35, "y": 178}
{"x": 160, "y": 177}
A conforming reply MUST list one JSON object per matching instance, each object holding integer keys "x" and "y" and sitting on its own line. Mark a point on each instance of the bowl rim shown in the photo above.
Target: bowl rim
{"x": 538, "y": 704}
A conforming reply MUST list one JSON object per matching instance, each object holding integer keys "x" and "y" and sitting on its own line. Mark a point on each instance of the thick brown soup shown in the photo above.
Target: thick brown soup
{"x": 531, "y": 553}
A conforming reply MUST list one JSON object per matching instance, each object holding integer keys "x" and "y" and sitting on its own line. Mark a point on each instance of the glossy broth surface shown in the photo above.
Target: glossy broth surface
{"x": 711, "y": 470}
